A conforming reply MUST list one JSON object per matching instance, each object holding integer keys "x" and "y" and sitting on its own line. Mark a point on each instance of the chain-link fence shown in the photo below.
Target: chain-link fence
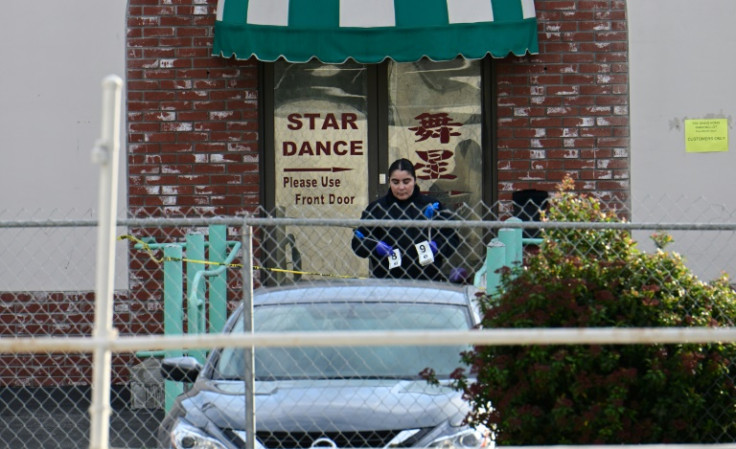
{"x": 189, "y": 276}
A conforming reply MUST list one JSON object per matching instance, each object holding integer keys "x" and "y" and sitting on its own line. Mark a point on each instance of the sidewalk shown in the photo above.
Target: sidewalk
{"x": 59, "y": 419}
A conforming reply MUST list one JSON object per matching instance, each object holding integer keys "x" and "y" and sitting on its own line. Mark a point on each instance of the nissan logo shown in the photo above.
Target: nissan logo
{"x": 323, "y": 442}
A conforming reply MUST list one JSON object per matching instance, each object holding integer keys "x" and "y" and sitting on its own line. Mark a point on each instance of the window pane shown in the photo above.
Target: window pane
{"x": 435, "y": 121}
{"x": 398, "y": 361}
{"x": 321, "y": 160}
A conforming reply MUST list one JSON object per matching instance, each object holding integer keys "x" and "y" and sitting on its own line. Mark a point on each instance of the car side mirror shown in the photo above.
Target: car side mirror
{"x": 181, "y": 369}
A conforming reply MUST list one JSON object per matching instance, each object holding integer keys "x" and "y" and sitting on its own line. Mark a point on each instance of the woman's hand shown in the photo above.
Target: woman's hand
{"x": 383, "y": 249}
{"x": 431, "y": 209}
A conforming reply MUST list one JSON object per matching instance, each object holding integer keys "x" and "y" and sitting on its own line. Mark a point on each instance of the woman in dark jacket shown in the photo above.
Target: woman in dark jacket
{"x": 401, "y": 252}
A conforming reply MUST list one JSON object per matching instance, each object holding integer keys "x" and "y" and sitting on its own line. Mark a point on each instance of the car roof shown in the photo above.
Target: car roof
{"x": 365, "y": 290}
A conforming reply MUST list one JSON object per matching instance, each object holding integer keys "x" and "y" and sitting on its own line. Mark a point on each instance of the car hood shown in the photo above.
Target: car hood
{"x": 327, "y": 405}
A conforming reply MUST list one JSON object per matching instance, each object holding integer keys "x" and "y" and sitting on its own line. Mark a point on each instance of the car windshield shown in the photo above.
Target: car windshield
{"x": 369, "y": 362}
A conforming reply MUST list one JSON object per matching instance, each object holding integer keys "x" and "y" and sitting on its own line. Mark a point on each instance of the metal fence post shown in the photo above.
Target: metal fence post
{"x": 105, "y": 154}
{"x": 173, "y": 315}
{"x": 495, "y": 259}
{"x": 248, "y": 352}
{"x": 195, "y": 312}
{"x": 218, "y": 283}
{"x": 512, "y": 238}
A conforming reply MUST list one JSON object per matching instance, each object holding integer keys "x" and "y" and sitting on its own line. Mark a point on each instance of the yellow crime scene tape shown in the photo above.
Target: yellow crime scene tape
{"x": 151, "y": 253}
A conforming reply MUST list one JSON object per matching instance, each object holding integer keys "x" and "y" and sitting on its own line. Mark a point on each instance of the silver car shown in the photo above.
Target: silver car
{"x": 337, "y": 397}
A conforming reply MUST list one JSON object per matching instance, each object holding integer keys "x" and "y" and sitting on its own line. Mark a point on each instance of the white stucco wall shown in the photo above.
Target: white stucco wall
{"x": 54, "y": 57}
{"x": 681, "y": 67}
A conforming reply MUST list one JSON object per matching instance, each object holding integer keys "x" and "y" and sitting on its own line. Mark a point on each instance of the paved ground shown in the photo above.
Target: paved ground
{"x": 60, "y": 420}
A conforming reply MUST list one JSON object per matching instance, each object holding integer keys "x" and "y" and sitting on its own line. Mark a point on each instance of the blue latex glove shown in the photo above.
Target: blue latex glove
{"x": 383, "y": 249}
{"x": 459, "y": 275}
{"x": 433, "y": 247}
{"x": 430, "y": 210}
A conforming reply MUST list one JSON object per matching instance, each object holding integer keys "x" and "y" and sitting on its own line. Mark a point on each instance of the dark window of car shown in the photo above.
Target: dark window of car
{"x": 369, "y": 362}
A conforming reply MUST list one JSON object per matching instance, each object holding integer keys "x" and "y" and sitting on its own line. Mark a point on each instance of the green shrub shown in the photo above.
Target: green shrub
{"x": 603, "y": 394}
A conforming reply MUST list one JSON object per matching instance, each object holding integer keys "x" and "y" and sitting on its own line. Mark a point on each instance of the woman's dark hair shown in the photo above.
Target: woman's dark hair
{"x": 403, "y": 165}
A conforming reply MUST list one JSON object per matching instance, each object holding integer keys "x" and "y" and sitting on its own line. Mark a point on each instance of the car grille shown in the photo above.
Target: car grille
{"x": 347, "y": 440}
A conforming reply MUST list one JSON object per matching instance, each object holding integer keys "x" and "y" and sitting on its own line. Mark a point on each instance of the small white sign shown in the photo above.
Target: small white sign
{"x": 394, "y": 259}
{"x": 424, "y": 251}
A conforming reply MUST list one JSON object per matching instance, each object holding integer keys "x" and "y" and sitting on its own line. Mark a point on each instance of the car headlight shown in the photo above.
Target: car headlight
{"x": 466, "y": 438}
{"x": 186, "y": 436}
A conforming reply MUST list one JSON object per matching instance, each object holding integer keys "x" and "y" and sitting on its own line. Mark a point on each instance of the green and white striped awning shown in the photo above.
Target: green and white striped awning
{"x": 370, "y": 31}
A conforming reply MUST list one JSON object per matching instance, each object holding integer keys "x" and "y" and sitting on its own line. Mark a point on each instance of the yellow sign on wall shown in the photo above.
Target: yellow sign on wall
{"x": 706, "y": 135}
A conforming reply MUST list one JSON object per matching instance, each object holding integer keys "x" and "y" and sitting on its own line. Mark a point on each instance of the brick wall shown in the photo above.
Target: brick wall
{"x": 566, "y": 111}
{"x": 192, "y": 119}
{"x": 55, "y": 314}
